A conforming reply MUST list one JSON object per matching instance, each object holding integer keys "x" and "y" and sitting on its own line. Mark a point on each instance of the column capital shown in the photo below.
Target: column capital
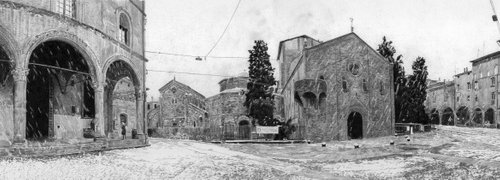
{"x": 139, "y": 95}
{"x": 20, "y": 74}
{"x": 98, "y": 86}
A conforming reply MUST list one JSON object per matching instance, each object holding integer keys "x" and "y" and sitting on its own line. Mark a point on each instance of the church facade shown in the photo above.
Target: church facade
{"x": 179, "y": 106}
{"x": 336, "y": 90}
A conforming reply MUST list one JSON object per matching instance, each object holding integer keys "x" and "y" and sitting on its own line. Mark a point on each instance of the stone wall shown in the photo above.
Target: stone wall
{"x": 181, "y": 106}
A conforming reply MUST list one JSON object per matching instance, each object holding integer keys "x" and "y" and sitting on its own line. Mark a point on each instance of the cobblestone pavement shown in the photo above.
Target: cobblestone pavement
{"x": 446, "y": 153}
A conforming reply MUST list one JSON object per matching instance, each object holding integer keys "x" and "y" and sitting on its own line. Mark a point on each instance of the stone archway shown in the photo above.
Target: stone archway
{"x": 489, "y": 116}
{"x": 463, "y": 115}
{"x": 447, "y": 118}
{"x": 355, "y": 125}
{"x": 244, "y": 129}
{"x": 122, "y": 94}
{"x": 477, "y": 118}
{"x": 59, "y": 90}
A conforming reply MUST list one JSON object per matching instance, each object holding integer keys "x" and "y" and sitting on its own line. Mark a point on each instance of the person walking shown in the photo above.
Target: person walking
{"x": 124, "y": 130}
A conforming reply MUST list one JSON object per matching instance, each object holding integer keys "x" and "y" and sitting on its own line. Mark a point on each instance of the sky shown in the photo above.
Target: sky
{"x": 447, "y": 33}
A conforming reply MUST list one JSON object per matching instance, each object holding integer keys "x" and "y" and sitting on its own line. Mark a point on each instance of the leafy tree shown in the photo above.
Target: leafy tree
{"x": 417, "y": 87}
{"x": 388, "y": 51}
{"x": 259, "y": 98}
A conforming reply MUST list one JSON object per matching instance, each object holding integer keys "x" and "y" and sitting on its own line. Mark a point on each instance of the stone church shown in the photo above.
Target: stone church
{"x": 65, "y": 64}
{"x": 336, "y": 90}
{"x": 179, "y": 106}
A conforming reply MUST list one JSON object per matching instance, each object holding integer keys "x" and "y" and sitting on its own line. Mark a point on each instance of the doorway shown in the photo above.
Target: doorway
{"x": 355, "y": 125}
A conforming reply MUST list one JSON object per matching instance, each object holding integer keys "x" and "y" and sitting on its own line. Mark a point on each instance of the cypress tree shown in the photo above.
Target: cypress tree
{"x": 259, "y": 98}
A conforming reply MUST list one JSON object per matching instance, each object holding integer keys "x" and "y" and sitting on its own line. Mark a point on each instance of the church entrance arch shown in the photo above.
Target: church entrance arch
{"x": 355, "y": 125}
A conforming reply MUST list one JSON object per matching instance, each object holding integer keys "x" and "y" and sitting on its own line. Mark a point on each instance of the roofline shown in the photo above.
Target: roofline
{"x": 189, "y": 87}
{"x": 363, "y": 41}
{"x": 459, "y": 74}
{"x": 485, "y": 57}
{"x": 225, "y": 79}
{"x": 281, "y": 42}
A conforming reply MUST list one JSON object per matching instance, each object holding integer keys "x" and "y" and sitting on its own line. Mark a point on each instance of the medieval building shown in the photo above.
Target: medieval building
{"x": 180, "y": 106}
{"x": 471, "y": 99}
{"x": 226, "y": 109}
{"x": 336, "y": 90}
{"x": 71, "y": 66}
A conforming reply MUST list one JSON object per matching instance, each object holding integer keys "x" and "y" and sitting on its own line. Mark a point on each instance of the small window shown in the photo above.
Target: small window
{"x": 468, "y": 98}
{"x": 124, "y": 29}
{"x": 493, "y": 82}
{"x": 365, "y": 85}
{"x": 66, "y": 8}
{"x": 458, "y": 99}
{"x": 382, "y": 88}
{"x": 344, "y": 84}
{"x": 476, "y": 99}
{"x": 149, "y": 106}
{"x": 476, "y": 85}
{"x": 468, "y": 86}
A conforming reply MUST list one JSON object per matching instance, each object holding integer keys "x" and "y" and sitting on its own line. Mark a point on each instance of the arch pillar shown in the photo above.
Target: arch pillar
{"x": 139, "y": 116}
{"x": 99, "y": 109}
{"x": 20, "y": 81}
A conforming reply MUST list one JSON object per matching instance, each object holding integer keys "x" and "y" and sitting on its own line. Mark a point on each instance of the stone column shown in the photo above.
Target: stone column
{"x": 20, "y": 79}
{"x": 140, "y": 121}
{"x": 99, "y": 109}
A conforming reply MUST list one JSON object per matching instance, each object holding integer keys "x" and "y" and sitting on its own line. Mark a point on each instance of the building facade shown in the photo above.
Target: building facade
{"x": 336, "y": 90}
{"x": 181, "y": 106}
{"x": 227, "y": 109}
{"x": 60, "y": 64}
{"x": 475, "y": 95}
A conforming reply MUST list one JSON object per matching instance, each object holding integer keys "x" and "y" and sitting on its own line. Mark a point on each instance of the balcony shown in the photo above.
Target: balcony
{"x": 316, "y": 86}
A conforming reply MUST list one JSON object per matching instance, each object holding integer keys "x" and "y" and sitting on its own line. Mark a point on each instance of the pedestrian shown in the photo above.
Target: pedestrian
{"x": 124, "y": 131}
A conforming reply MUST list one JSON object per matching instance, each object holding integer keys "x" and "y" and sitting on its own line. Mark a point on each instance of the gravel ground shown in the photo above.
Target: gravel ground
{"x": 446, "y": 153}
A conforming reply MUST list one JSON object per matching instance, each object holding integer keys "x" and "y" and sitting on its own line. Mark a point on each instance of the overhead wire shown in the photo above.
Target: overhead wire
{"x": 195, "y": 56}
{"x": 225, "y": 29}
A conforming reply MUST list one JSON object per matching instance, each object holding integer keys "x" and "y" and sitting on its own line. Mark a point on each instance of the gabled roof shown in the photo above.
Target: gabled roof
{"x": 175, "y": 82}
{"x": 486, "y": 57}
{"x": 341, "y": 38}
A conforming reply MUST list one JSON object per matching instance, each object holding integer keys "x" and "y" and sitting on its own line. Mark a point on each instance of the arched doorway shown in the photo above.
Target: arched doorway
{"x": 447, "y": 118}
{"x": 59, "y": 89}
{"x": 121, "y": 94}
{"x": 434, "y": 116}
{"x": 478, "y": 116}
{"x": 355, "y": 125}
{"x": 463, "y": 115}
{"x": 244, "y": 129}
{"x": 489, "y": 116}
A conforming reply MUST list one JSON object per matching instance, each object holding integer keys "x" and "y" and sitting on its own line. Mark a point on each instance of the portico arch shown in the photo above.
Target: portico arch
{"x": 60, "y": 88}
{"x": 117, "y": 72}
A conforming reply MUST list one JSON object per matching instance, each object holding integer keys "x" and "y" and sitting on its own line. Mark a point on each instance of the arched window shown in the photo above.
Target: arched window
{"x": 365, "y": 85}
{"x": 66, "y": 8}
{"x": 124, "y": 35}
{"x": 344, "y": 84}
{"x": 382, "y": 88}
